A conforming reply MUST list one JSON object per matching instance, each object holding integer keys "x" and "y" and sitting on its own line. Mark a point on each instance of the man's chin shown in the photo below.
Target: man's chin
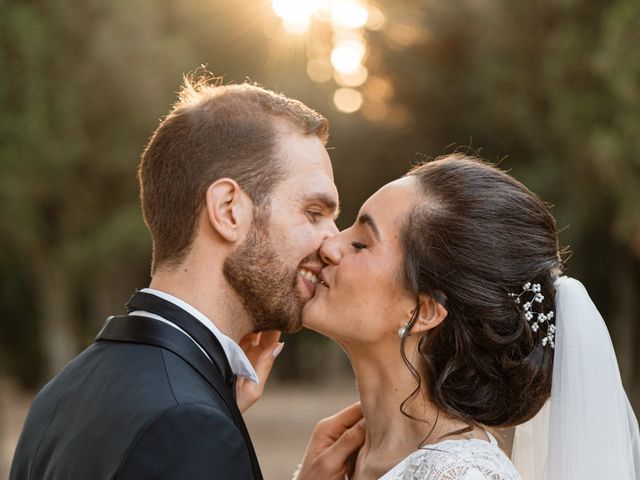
{"x": 291, "y": 326}
{"x": 294, "y": 328}
{"x": 289, "y": 329}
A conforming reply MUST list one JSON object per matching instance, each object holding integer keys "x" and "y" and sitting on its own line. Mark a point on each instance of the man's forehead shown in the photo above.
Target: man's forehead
{"x": 291, "y": 139}
{"x": 308, "y": 170}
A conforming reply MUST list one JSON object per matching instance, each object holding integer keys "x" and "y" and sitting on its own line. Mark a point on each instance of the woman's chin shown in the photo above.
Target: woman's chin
{"x": 314, "y": 318}
{"x": 321, "y": 317}
{"x": 310, "y": 315}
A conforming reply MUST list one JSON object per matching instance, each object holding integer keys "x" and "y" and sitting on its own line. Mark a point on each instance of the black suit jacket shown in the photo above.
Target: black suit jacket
{"x": 143, "y": 402}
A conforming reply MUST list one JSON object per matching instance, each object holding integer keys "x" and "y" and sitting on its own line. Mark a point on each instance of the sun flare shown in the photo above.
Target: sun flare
{"x": 344, "y": 51}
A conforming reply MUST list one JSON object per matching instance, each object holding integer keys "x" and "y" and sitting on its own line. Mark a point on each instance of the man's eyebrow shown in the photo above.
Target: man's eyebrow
{"x": 329, "y": 202}
{"x": 366, "y": 219}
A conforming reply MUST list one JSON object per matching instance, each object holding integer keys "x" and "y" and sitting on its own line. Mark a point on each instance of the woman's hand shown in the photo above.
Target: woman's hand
{"x": 261, "y": 349}
{"x": 334, "y": 441}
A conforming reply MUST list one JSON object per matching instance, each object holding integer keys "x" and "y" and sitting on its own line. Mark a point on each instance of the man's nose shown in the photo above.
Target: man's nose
{"x": 332, "y": 229}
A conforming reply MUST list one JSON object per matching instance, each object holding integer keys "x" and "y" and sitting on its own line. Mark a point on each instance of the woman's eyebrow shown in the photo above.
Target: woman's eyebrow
{"x": 366, "y": 219}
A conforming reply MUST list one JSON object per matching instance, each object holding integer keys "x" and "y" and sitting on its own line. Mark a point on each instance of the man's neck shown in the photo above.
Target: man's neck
{"x": 207, "y": 291}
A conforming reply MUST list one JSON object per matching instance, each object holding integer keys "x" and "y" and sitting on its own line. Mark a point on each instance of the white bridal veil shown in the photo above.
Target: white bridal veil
{"x": 587, "y": 430}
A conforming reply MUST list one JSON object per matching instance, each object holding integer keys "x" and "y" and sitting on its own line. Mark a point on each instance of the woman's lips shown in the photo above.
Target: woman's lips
{"x": 322, "y": 280}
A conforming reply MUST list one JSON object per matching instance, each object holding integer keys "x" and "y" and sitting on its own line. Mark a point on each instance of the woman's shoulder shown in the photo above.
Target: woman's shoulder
{"x": 456, "y": 460}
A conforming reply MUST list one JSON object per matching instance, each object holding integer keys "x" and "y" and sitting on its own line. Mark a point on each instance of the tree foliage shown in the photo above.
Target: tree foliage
{"x": 551, "y": 90}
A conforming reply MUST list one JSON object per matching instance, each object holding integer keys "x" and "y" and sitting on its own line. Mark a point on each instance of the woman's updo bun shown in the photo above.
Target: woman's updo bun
{"x": 476, "y": 236}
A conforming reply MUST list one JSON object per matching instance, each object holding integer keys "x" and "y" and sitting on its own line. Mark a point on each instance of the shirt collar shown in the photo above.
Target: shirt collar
{"x": 238, "y": 361}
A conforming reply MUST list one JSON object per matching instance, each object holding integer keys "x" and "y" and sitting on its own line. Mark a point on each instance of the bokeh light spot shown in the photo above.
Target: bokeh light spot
{"x": 376, "y": 19}
{"x": 349, "y": 14}
{"x": 295, "y": 14}
{"x": 378, "y": 88}
{"x": 347, "y": 56}
{"x": 319, "y": 70}
{"x": 353, "y": 79}
{"x": 347, "y": 100}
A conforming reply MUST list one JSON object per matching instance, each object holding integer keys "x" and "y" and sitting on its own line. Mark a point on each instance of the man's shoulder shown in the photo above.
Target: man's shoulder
{"x": 150, "y": 377}
{"x": 123, "y": 381}
{"x": 118, "y": 391}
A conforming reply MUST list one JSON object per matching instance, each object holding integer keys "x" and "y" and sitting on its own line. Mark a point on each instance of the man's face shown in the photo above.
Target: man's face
{"x": 275, "y": 270}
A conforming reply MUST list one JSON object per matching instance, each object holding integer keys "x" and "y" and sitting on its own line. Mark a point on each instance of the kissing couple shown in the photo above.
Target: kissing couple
{"x": 446, "y": 293}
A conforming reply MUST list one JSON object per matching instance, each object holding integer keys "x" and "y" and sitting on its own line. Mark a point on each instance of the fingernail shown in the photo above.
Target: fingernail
{"x": 278, "y": 349}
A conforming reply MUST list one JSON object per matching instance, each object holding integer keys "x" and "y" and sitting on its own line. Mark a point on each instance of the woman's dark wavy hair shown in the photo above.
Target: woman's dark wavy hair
{"x": 477, "y": 235}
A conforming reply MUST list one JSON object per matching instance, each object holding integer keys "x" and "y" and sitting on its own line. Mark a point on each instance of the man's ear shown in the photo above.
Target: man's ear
{"x": 431, "y": 314}
{"x": 228, "y": 208}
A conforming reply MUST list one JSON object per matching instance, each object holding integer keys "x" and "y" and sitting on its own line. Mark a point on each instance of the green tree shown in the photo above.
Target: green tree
{"x": 76, "y": 95}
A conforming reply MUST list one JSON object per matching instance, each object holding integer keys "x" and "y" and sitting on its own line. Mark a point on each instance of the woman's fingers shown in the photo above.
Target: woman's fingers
{"x": 249, "y": 340}
{"x": 333, "y": 442}
{"x": 333, "y": 427}
{"x": 269, "y": 337}
{"x": 350, "y": 440}
{"x": 261, "y": 350}
{"x": 264, "y": 363}
{"x": 254, "y": 344}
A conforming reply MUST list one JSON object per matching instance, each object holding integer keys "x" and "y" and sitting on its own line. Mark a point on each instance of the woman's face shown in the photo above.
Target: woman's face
{"x": 363, "y": 299}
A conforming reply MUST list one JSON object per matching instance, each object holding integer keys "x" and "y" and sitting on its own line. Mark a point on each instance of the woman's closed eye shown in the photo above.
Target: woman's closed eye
{"x": 358, "y": 246}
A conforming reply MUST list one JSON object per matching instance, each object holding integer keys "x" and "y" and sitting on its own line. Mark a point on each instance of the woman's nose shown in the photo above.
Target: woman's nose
{"x": 330, "y": 251}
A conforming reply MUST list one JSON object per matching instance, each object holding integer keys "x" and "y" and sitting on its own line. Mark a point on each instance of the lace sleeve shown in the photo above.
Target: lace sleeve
{"x": 456, "y": 460}
{"x": 463, "y": 472}
{"x": 458, "y": 471}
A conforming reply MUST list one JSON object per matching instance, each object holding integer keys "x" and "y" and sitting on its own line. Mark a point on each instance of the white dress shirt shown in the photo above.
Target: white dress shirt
{"x": 240, "y": 364}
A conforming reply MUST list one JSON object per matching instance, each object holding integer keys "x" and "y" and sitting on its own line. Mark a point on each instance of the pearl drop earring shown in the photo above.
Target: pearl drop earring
{"x": 402, "y": 331}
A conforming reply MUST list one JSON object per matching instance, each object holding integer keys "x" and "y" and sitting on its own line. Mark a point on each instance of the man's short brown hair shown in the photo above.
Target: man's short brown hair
{"x": 213, "y": 131}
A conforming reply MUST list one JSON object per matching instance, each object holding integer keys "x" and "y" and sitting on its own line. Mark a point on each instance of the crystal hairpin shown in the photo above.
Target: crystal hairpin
{"x": 536, "y": 318}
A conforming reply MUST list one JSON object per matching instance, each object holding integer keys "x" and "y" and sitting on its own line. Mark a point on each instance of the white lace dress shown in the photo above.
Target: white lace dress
{"x": 456, "y": 460}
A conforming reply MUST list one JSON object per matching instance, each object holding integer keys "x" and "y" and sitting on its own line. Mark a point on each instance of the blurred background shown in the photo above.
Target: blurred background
{"x": 550, "y": 89}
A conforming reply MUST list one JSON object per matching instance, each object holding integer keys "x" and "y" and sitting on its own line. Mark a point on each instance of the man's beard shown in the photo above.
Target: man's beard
{"x": 266, "y": 286}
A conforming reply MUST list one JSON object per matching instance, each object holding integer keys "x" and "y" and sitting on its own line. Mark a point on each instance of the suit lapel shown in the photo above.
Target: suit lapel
{"x": 144, "y": 330}
{"x": 187, "y": 322}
